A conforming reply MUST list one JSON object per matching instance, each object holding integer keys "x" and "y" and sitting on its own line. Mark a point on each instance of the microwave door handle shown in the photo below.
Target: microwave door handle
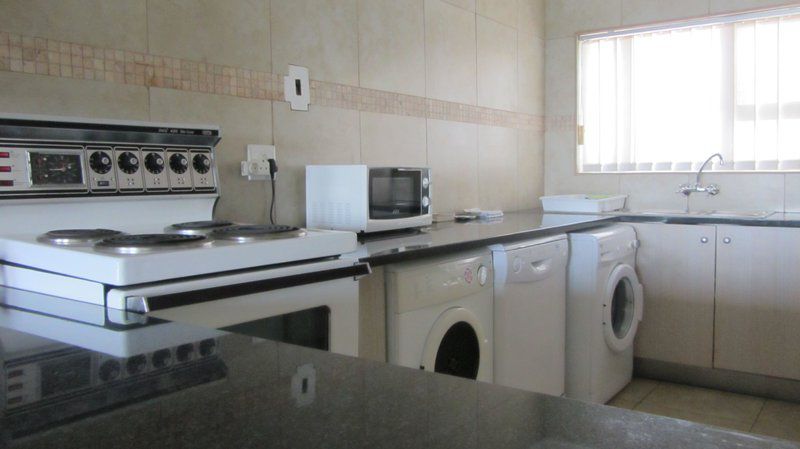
{"x": 147, "y": 304}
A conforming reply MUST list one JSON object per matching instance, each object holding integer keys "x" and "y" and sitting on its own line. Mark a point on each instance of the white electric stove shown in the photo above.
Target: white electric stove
{"x": 119, "y": 214}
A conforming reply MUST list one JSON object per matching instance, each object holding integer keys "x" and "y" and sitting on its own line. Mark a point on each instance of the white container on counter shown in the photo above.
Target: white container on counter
{"x": 583, "y": 203}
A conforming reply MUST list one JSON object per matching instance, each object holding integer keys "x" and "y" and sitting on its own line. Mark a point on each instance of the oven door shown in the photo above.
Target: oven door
{"x": 396, "y": 193}
{"x": 311, "y": 304}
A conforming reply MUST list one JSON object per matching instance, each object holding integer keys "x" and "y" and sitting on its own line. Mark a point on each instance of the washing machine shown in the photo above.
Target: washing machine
{"x": 529, "y": 314}
{"x": 439, "y": 314}
{"x": 604, "y": 308}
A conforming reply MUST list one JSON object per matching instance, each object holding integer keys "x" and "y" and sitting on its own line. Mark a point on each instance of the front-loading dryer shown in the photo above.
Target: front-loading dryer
{"x": 604, "y": 308}
{"x": 439, "y": 314}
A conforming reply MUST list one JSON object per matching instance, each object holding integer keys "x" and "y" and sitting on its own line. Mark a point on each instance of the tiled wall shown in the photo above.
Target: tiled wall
{"x": 565, "y": 18}
{"x": 457, "y": 85}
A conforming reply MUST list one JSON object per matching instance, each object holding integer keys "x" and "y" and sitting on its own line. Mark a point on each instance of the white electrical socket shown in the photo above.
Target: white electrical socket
{"x": 256, "y": 167}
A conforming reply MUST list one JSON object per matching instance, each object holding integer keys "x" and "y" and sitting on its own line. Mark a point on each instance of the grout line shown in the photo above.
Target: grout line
{"x": 761, "y": 410}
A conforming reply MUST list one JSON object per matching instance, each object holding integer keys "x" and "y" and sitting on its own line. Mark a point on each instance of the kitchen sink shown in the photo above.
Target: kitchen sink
{"x": 756, "y": 215}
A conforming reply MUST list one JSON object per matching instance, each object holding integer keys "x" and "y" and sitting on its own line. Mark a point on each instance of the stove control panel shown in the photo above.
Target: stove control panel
{"x": 55, "y": 170}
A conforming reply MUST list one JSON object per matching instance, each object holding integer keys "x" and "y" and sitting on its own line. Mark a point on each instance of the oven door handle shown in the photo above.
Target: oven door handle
{"x": 146, "y": 304}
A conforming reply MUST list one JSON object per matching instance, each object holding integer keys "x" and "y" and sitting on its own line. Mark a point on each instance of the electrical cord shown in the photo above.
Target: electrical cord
{"x": 273, "y": 171}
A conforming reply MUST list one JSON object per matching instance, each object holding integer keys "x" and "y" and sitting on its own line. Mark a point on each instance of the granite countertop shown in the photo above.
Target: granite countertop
{"x": 242, "y": 392}
{"x": 450, "y": 236}
{"x": 446, "y": 237}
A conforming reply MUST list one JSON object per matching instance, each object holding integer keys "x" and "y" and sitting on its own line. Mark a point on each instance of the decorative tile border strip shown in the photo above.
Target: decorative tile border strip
{"x": 40, "y": 56}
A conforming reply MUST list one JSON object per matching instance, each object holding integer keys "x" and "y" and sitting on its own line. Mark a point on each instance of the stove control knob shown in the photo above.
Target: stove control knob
{"x": 162, "y": 358}
{"x": 128, "y": 162}
{"x": 136, "y": 364}
{"x": 109, "y": 370}
{"x": 201, "y": 163}
{"x": 184, "y": 352}
{"x": 207, "y": 347}
{"x": 154, "y": 163}
{"x": 178, "y": 163}
{"x": 100, "y": 162}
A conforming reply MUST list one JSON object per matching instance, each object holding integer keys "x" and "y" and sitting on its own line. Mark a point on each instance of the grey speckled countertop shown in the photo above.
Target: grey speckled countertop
{"x": 445, "y": 237}
{"x": 247, "y": 393}
{"x": 452, "y": 236}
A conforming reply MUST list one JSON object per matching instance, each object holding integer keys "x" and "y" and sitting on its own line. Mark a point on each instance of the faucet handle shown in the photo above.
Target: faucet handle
{"x": 685, "y": 189}
{"x": 712, "y": 189}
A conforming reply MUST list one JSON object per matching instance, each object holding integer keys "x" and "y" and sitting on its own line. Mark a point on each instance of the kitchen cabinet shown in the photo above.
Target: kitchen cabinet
{"x": 757, "y": 327}
{"x": 675, "y": 264}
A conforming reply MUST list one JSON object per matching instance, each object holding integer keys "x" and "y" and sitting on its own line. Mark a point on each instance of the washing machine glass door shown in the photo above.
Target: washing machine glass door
{"x": 457, "y": 345}
{"x": 622, "y": 308}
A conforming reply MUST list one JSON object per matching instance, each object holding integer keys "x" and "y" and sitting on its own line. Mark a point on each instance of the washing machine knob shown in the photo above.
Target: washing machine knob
{"x": 483, "y": 275}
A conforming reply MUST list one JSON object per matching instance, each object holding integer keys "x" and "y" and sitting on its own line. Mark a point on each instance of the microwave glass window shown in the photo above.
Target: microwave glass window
{"x": 309, "y": 328}
{"x": 394, "y": 194}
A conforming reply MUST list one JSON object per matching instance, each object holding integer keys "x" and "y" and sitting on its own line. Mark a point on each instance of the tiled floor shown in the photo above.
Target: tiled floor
{"x": 718, "y": 408}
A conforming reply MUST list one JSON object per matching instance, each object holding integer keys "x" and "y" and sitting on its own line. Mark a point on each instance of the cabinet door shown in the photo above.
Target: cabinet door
{"x": 675, "y": 264}
{"x": 758, "y": 300}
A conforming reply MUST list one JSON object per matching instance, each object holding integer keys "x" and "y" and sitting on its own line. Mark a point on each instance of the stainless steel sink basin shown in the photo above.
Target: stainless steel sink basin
{"x": 754, "y": 215}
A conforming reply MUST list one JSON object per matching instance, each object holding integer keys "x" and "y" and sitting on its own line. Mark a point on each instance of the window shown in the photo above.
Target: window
{"x": 664, "y": 98}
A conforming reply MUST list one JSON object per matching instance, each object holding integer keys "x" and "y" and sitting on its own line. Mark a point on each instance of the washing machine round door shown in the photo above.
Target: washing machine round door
{"x": 622, "y": 308}
{"x": 458, "y": 345}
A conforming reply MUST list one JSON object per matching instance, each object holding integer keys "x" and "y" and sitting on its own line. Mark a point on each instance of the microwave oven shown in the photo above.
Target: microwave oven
{"x": 367, "y": 199}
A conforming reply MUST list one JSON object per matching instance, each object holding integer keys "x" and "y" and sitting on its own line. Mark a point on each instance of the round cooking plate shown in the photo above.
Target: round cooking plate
{"x": 197, "y": 227}
{"x": 248, "y": 233}
{"x": 143, "y": 243}
{"x": 76, "y": 236}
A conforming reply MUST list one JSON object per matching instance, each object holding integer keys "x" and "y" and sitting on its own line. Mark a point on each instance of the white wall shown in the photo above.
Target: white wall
{"x": 563, "y": 20}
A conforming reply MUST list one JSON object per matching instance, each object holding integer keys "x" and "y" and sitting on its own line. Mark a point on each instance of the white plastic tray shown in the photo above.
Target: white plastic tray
{"x": 583, "y": 203}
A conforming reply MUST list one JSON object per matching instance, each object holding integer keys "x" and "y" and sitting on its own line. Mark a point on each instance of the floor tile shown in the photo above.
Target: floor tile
{"x": 689, "y": 415}
{"x": 633, "y": 393}
{"x": 704, "y": 402}
{"x": 779, "y": 419}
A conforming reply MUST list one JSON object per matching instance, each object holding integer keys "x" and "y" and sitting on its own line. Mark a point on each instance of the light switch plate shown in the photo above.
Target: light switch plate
{"x": 296, "y": 89}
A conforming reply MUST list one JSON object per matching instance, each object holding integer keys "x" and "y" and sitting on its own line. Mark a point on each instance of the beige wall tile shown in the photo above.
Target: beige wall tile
{"x": 560, "y": 173}
{"x": 243, "y": 121}
{"x": 466, "y": 4}
{"x": 645, "y": 11}
{"x": 115, "y": 24}
{"x": 453, "y": 158}
{"x": 503, "y": 11}
{"x": 718, "y": 6}
{"x": 39, "y": 94}
{"x": 560, "y": 77}
{"x": 320, "y": 136}
{"x": 391, "y": 45}
{"x": 565, "y": 18}
{"x": 450, "y": 52}
{"x": 530, "y": 66}
{"x": 393, "y": 140}
{"x": 531, "y": 17}
{"x": 497, "y": 65}
{"x": 741, "y": 191}
{"x": 330, "y": 52}
{"x": 497, "y": 168}
{"x": 653, "y": 191}
{"x": 530, "y": 169}
{"x": 232, "y": 32}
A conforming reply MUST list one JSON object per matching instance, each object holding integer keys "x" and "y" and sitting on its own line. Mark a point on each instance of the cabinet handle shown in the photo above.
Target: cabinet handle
{"x": 704, "y": 240}
{"x": 726, "y": 240}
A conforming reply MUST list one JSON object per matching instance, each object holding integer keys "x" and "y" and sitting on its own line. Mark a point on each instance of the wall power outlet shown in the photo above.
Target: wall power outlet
{"x": 256, "y": 167}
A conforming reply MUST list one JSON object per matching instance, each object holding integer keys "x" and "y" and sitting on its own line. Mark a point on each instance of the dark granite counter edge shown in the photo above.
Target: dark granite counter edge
{"x": 440, "y": 250}
{"x": 700, "y": 220}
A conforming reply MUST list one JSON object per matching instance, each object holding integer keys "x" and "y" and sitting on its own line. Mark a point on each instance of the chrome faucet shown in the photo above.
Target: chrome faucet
{"x": 711, "y": 189}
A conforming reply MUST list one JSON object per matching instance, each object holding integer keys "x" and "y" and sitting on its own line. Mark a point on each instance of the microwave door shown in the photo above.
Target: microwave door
{"x": 313, "y": 307}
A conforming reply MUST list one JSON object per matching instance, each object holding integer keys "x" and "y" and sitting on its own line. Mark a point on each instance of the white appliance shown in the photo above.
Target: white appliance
{"x": 439, "y": 315}
{"x": 530, "y": 283}
{"x": 367, "y": 199}
{"x": 604, "y": 308}
{"x": 119, "y": 214}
